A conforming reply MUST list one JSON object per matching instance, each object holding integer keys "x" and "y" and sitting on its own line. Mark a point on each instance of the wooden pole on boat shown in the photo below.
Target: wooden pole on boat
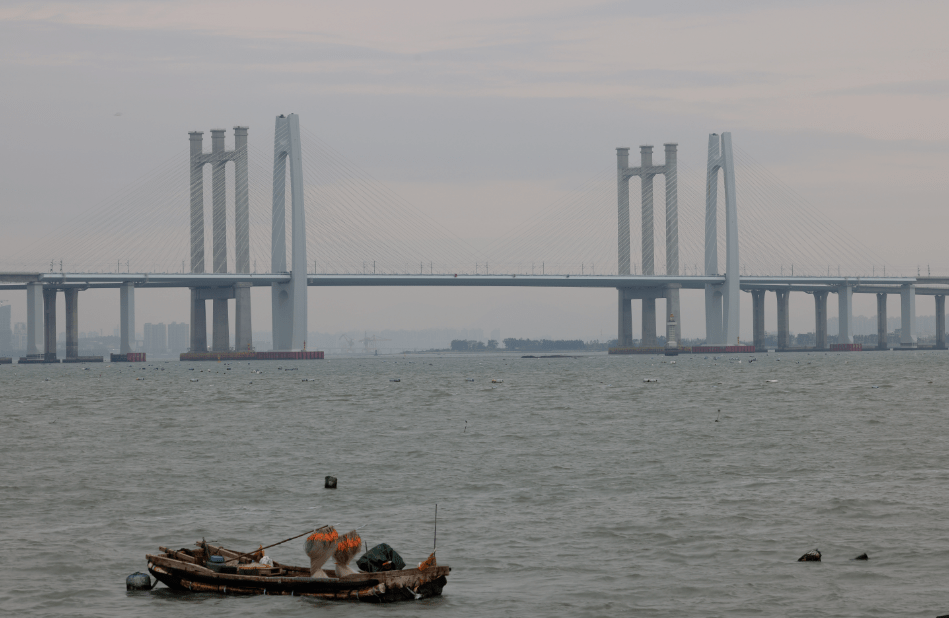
{"x": 435, "y": 537}
{"x": 277, "y": 543}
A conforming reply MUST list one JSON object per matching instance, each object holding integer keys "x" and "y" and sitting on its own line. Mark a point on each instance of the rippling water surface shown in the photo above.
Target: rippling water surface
{"x": 573, "y": 488}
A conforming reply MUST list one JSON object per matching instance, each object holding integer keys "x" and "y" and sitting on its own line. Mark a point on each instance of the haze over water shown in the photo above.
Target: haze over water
{"x": 575, "y": 489}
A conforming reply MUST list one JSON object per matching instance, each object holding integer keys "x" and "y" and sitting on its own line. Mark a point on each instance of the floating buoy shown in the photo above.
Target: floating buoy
{"x": 772, "y": 381}
{"x": 497, "y": 381}
{"x": 650, "y": 380}
{"x": 330, "y": 482}
{"x": 193, "y": 380}
{"x": 395, "y": 379}
{"x": 469, "y": 379}
{"x": 811, "y": 556}
{"x": 862, "y": 556}
{"x": 139, "y": 581}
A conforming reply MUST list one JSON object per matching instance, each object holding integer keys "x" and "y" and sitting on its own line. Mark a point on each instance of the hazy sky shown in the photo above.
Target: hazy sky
{"x": 482, "y": 114}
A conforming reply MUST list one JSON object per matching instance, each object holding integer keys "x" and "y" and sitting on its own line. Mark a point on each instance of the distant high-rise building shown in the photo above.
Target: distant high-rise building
{"x": 156, "y": 338}
{"x": 6, "y": 335}
{"x": 19, "y": 336}
{"x": 179, "y": 337}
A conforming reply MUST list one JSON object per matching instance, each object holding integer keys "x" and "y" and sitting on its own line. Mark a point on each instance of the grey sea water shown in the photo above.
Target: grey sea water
{"x": 573, "y": 488}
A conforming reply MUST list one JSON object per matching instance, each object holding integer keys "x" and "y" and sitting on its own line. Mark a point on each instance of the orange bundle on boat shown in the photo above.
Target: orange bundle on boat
{"x": 319, "y": 547}
{"x": 429, "y": 562}
{"x": 346, "y": 550}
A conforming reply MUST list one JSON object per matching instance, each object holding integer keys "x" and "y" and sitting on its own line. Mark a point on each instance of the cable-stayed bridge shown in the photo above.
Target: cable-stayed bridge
{"x": 174, "y": 229}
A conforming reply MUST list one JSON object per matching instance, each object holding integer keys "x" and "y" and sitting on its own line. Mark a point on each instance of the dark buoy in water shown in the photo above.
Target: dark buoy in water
{"x": 811, "y": 556}
{"x": 139, "y": 581}
{"x": 330, "y": 483}
{"x": 862, "y": 556}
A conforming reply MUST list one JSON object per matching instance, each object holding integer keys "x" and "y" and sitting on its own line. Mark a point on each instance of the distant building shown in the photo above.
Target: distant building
{"x": 19, "y": 336}
{"x": 179, "y": 337}
{"x": 156, "y": 339}
{"x": 6, "y": 335}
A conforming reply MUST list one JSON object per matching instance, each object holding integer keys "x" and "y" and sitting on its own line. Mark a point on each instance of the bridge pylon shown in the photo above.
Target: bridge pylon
{"x": 647, "y": 172}
{"x": 288, "y": 299}
{"x": 722, "y": 317}
{"x": 218, "y": 159}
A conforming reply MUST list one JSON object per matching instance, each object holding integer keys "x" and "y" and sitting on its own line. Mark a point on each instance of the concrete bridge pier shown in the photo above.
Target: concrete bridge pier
{"x": 243, "y": 339}
{"x": 784, "y": 319}
{"x": 49, "y": 325}
{"x": 881, "y": 322}
{"x": 220, "y": 326}
{"x": 672, "y": 309}
{"x": 714, "y": 315}
{"x": 757, "y": 299}
{"x": 649, "y": 323}
{"x": 625, "y": 327}
{"x": 34, "y": 319}
{"x": 126, "y": 317}
{"x": 72, "y": 322}
{"x": 908, "y": 316}
{"x": 940, "y": 322}
{"x": 845, "y": 314}
{"x": 243, "y": 336}
{"x": 820, "y": 315}
{"x": 199, "y": 322}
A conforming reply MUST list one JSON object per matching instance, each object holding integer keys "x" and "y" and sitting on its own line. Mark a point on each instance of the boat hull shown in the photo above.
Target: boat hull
{"x": 384, "y": 587}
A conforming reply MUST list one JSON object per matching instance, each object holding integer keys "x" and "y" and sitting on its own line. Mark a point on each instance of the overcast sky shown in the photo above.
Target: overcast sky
{"x": 482, "y": 114}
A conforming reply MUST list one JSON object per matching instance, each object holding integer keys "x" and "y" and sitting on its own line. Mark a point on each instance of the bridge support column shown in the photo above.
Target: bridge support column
{"x": 845, "y": 314}
{"x": 220, "y": 326}
{"x": 72, "y": 323}
{"x": 784, "y": 321}
{"x": 672, "y": 311}
{"x": 940, "y": 322}
{"x": 649, "y": 323}
{"x": 199, "y": 318}
{"x": 757, "y": 299}
{"x": 289, "y": 315}
{"x": 881, "y": 322}
{"x": 720, "y": 156}
{"x": 126, "y": 317}
{"x": 908, "y": 316}
{"x": 199, "y": 322}
{"x": 243, "y": 338}
{"x": 714, "y": 332}
{"x": 34, "y": 319}
{"x": 622, "y": 204}
{"x": 625, "y": 314}
{"x": 820, "y": 317}
{"x": 648, "y": 226}
{"x": 49, "y": 324}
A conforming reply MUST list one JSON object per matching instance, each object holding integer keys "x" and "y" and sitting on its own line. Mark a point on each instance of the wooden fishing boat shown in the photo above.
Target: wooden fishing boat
{"x": 185, "y": 569}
